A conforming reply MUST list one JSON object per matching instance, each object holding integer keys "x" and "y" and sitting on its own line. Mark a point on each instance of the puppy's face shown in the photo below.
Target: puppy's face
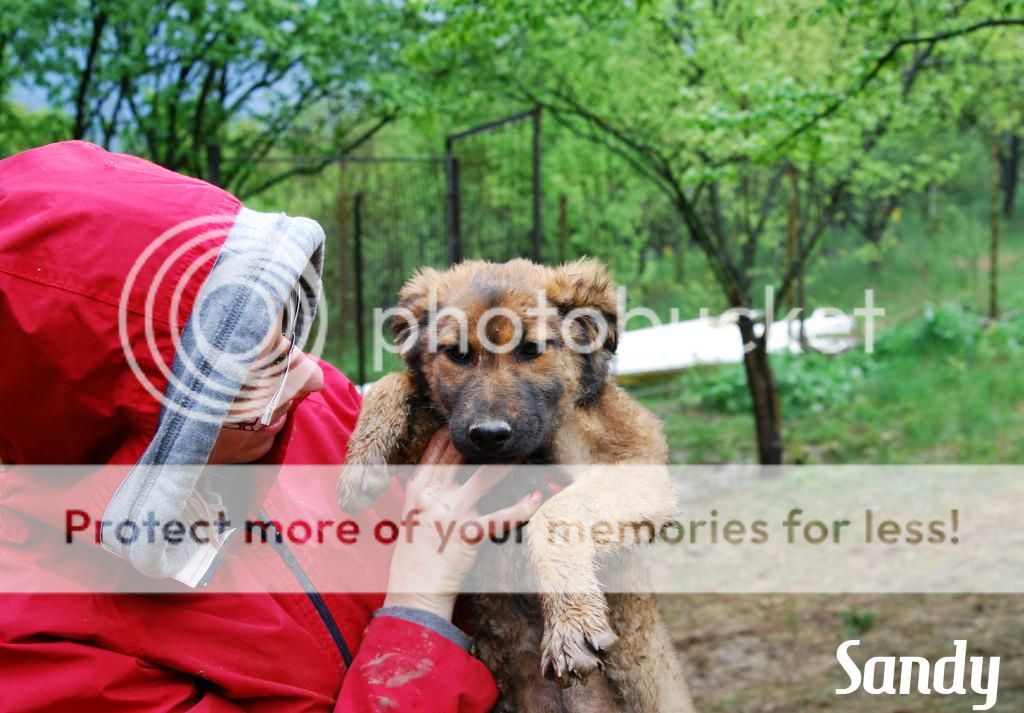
{"x": 505, "y": 351}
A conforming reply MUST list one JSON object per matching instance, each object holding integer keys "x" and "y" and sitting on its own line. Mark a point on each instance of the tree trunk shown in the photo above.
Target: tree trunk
{"x": 1009, "y": 165}
{"x": 680, "y": 257}
{"x": 802, "y": 299}
{"x": 933, "y": 209}
{"x": 791, "y": 229}
{"x": 764, "y": 394}
{"x": 993, "y": 283}
{"x": 795, "y": 297}
{"x": 99, "y": 23}
{"x": 563, "y": 228}
{"x": 213, "y": 159}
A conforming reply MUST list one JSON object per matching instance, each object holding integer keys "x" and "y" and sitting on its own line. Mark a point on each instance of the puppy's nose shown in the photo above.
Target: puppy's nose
{"x": 490, "y": 435}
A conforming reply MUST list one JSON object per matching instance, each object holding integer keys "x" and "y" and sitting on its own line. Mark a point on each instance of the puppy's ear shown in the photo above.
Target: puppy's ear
{"x": 410, "y": 317}
{"x": 584, "y": 292}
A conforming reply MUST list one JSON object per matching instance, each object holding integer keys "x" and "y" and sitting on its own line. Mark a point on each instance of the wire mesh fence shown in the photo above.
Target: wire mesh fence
{"x": 397, "y": 226}
{"x": 494, "y": 190}
{"x": 386, "y": 217}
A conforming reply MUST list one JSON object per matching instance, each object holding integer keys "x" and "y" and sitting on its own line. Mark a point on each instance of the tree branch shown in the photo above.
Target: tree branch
{"x": 883, "y": 60}
{"x": 316, "y": 167}
{"x": 749, "y": 248}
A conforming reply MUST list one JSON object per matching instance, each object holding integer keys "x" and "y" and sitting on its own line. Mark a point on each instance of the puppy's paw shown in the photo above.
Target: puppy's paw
{"x": 576, "y": 632}
{"x": 360, "y": 484}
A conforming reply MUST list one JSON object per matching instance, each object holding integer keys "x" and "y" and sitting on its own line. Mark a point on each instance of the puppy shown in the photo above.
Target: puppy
{"x": 514, "y": 359}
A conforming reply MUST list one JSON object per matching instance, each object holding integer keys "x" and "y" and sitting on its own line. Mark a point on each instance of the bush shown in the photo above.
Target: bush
{"x": 954, "y": 330}
{"x": 807, "y": 384}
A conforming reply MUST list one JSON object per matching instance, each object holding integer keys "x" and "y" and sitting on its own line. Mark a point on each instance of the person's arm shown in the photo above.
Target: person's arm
{"x": 412, "y": 657}
{"x": 405, "y": 664}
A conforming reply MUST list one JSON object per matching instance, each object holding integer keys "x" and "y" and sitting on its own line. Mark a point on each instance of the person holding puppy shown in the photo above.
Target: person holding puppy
{"x": 105, "y": 362}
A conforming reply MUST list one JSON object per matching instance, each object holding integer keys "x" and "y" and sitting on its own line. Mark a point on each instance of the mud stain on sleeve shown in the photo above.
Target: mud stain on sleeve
{"x": 376, "y": 677}
{"x": 379, "y": 659}
{"x": 400, "y": 679}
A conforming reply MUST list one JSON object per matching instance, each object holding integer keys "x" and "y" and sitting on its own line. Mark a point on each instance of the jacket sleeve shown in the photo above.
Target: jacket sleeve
{"x": 405, "y": 664}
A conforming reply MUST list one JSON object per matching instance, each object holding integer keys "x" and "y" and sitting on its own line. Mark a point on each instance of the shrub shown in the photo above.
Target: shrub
{"x": 807, "y": 384}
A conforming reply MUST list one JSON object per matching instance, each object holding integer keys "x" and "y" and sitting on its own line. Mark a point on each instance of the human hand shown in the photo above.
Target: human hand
{"x": 428, "y": 569}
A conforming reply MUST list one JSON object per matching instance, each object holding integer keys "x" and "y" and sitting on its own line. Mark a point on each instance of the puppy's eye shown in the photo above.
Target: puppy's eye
{"x": 457, "y": 355}
{"x": 529, "y": 350}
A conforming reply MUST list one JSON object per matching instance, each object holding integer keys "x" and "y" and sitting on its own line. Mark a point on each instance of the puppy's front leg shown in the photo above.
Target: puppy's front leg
{"x": 566, "y": 538}
{"x": 383, "y": 424}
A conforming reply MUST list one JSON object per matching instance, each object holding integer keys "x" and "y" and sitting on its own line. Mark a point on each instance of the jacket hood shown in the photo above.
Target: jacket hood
{"x": 133, "y": 301}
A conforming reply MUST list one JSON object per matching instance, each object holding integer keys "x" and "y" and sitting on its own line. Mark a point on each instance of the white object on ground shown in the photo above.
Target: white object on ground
{"x": 716, "y": 340}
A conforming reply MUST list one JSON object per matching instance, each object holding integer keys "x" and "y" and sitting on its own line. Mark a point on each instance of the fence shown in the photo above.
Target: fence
{"x": 386, "y": 217}
{"x": 396, "y": 221}
{"x": 491, "y": 171}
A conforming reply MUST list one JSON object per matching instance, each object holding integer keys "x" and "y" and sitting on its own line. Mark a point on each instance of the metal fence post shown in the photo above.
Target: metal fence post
{"x": 452, "y": 207}
{"x": 538, "y": 194}
{"x": 360, "y": 301}
{"x": 344, "y": 261}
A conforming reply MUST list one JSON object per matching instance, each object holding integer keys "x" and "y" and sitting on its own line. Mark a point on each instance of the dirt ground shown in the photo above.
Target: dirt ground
{"x": 776, "y": 653}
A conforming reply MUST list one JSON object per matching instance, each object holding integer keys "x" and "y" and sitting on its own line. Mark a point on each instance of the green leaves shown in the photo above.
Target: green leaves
{"x": 206, "y": 87}
{"x": 808, "y": 384}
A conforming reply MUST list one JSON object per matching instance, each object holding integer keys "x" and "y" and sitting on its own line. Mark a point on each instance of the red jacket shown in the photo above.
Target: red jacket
{"x": 73, "y": 221}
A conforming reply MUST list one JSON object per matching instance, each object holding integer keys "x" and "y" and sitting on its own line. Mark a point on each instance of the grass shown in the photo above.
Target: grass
{"x": 933, "y": 401}
{"x": 942, "y": 387}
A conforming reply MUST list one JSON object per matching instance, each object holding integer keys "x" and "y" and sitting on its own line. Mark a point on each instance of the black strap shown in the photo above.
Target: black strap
{"x": 278, "y": 543}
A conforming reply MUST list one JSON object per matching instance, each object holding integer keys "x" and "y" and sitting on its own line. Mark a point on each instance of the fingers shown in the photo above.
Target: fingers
{"x": 436, "y": 447}
{"x": 481, "y": 482}
{"x": 512, "y": 516}
{"x": 439, "y": 462}
{"x": 451, "y": 455}
{"x": 444, "y": 474}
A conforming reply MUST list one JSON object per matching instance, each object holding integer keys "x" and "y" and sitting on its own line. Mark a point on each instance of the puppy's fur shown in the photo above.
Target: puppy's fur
{"x": 540, "y": 401}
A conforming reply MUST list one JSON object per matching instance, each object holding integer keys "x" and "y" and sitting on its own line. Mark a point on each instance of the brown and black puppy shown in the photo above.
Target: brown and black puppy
{"x": 514, "y": 359}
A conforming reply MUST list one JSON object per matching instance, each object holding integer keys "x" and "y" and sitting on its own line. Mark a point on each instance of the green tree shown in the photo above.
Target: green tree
{"x": 714, "y": 104}
{"x": 212, "y": 87}
{"x": 990, "y": 82}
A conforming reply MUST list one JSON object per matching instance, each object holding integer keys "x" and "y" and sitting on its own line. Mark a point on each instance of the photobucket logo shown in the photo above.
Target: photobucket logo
{"x": 435, "y": 327}
{"x": 248, "y": 291}
{"x": 582, "y": 329}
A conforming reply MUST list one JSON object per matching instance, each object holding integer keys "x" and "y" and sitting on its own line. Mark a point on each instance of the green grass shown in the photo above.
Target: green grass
{"x": 942, "y": 387}
{"x": 921, "y": 398}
